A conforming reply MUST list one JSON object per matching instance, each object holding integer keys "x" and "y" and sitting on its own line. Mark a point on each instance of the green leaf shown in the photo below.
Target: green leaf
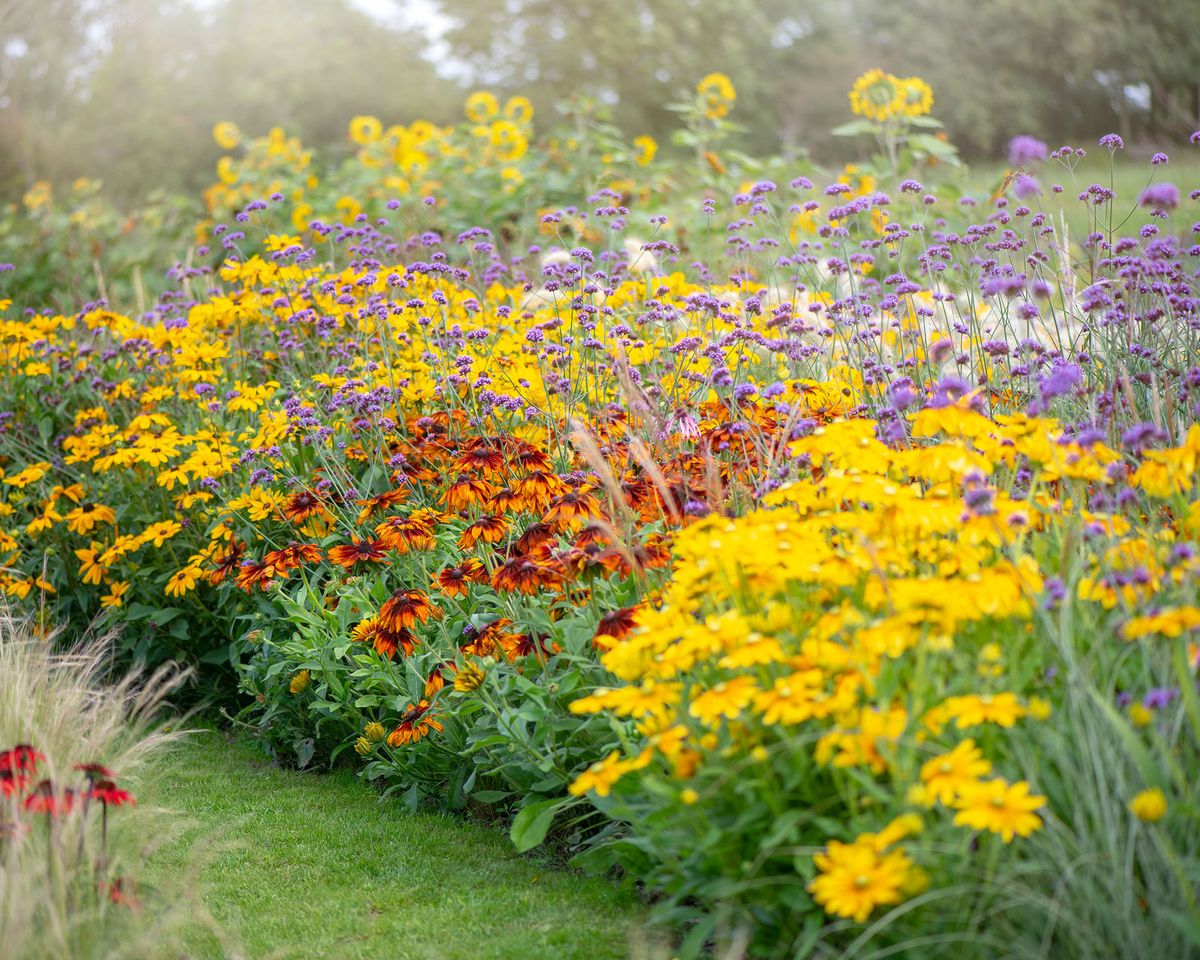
{"x": 531, "y": 825}
{"x": 490, "y": 796}
{"x": 855, "y": 128}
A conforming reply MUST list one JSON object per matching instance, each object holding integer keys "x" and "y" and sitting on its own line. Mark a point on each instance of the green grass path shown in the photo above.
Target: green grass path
{"x": 292, "y": 864}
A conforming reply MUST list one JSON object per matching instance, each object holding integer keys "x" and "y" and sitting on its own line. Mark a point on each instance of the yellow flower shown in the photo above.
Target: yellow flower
{"x": 688, "y": 796}
{"x": 300, "y": 682}
{"x": 1149, "y": 806}
{"x": 374, "y": 731}
{"x": 945, "y": 777}
{"x": 717, "y": 95}
{"x": 1172, "y": 622}
{"x": 227, "y": 135}
{"x": 726, "y": 699}
{"x": 645, "y": 148}
{"x": 115, "y": 595}
{"x": 519, "y": 109}
{"x": 917, "y": 96}
{"x": 362, "y": 746}
{"x": 182, "y": 581}
{"x": 855, "y": 878}
{"x": 481, "y": 106}
{"x": 600, "y": 776}
{"x": 999, "y": 807}
{"x": 1140, "y": 716}
{"x": 877, "y": 96}
{"x": 1003, "y": 709}
{"x": 469, "y": 678}
{"x": 364, "y": 130}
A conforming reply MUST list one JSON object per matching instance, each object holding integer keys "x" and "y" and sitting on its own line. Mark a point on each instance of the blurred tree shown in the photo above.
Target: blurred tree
{"x": 643, "y": 54}
{"x": 128, "y": 90}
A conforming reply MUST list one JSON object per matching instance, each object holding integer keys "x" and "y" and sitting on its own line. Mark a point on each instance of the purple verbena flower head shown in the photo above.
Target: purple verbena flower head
{"x": 1024, "y": 149}
{"x": 1160, "y": 196}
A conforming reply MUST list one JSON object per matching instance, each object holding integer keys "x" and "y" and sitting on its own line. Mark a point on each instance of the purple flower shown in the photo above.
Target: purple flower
{"x": 1060, "y": 379}
{"x": 1112, "y": 141}
{"x": 1025, "y": 187}
{"x": 1160, "y": 196}
{"x": 1025, "y": 149}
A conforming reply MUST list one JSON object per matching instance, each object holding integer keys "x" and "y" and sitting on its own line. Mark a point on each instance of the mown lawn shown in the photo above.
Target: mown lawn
{"x": 292, "y": 864}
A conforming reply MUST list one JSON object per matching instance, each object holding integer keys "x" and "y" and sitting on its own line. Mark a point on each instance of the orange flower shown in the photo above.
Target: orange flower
{"x": 453, "y": 581}
{"x": 540, "y": 487}
{"x": 506, "y": 500}
{"x": 227, "y": 563}
{"x": 302, "y": 506}
{"x": 617, "y": 624}
{"x": 490, "y": 529}
{"x": 467, "y": 492}
{"x": 535, "y": 534}
{"x": 405, "y": 608}
{"x": 406, "y": 533}
{"x": 481, "y": 458}
{"x": 386, "y": 642}
{"x": 373, "y": 505}
{"x": 252, "y": 574}
{"x": 523, "y": 575}
{"x": 293, "y": 556}
{"x": 438, "y": 677}
{"x": 572, "y": 507}
{"x": 414, "y": 724}
{"x": 358, "y": 551}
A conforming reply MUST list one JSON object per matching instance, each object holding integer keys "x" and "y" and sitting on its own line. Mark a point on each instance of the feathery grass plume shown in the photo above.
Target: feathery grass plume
{"x": 67, "y": 886}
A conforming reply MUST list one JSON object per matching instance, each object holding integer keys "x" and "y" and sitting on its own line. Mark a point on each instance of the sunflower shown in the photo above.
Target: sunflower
{"x": 364, "y": 130}
{"x": 414, "y": 724}
{"x": 357, "y": 551}
{"x": 877, "y": 96}
{"x": 481, "y": 106}
{"x": 717, "y": 95}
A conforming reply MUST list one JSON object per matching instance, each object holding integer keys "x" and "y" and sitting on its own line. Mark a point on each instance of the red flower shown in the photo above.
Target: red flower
{"x": 12, "y": 783}
{"x": 95, "y": 771}
{"x": 20, "y": 759}
{"x": 47, "y": 798}
{"x": 110, "y": 794}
